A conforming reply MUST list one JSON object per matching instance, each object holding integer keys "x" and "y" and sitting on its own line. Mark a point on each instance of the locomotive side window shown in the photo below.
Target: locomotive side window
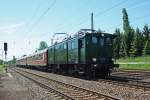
{"x": 75, "y": 44}
{"x": 101, "y": 40}
{"x": 65, "y": 47}
{"x": 94, "y": 40}
{"x": 72, "y": 45}
{"x": 57, "y": 47}
{"x": 69, "y": 45}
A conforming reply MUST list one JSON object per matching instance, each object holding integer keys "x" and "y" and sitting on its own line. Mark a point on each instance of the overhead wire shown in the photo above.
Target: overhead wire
{"x": 36, "y": 10}
{"x": 99, "y": 13}
{"x": 33, "y": 16}
{"x": 114, "y": 6}
{"x": 136, "y": 18}
{"x": 103, "y": 12}
{"x": 41, "y": 16}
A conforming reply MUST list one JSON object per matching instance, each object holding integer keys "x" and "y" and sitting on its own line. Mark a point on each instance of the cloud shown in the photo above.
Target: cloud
{"x": 11, "y": 28}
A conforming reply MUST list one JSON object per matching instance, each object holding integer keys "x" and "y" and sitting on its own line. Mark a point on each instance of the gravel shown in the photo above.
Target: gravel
{"x": 119, "y": 91}
{"x": 35, "y": 91}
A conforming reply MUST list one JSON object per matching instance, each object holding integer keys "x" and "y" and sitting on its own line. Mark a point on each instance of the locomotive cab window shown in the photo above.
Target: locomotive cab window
{"x": 94, "y": 40}
{"x": 108, "y": 41}
{"x": 81, "y": 43}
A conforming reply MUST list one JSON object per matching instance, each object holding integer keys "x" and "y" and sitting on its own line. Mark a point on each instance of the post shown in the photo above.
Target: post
{"x": 5, "y": 49}
{"x": 92, "y": 23}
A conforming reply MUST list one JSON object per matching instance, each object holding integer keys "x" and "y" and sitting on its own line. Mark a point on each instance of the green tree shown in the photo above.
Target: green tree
{"x": 146, "y": 50}
{"x": 128, "y": 32}
{"x": 14, "y": 59}
{"x": 116, "y": 43}
{"x": 1, "y": 61}
{"x": 136, "y": 46}
{"x": 122, "y": 51}
{"x": 146, "y": 32}
{"x": 43, "y": 45}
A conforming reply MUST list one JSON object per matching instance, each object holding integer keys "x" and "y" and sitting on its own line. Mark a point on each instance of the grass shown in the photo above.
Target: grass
{"x": 135, "y": 66}
{"x": 142, "y": 63}
{"x": 1, "y": 68}
{"x": 137, "y": 59}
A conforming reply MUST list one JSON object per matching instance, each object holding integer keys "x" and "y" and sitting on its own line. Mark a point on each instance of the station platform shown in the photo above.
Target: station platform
{"x": 10, "y": 89}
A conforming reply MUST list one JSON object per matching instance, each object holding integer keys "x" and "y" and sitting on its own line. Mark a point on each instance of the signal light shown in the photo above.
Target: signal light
{"x": 5, "y": 46}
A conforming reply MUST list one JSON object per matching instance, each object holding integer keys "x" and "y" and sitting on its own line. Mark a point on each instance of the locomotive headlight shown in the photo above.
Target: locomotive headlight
{"x": 94, "y": 59}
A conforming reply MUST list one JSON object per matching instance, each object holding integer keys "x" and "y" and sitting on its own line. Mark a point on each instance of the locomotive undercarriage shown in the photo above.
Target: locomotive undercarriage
{"x": 89, "y": 71}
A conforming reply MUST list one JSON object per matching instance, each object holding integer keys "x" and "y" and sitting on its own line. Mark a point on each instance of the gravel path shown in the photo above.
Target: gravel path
{"x": 10, "y": 89}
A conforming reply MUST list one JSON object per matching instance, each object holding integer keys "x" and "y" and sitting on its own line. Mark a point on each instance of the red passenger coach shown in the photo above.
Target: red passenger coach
{"x": 21, "y": 61}
{"x": 38, "y": 59}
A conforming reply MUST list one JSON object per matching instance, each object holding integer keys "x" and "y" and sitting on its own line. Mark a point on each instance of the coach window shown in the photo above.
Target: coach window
{"x": 94, "y": 40}
{"x": 40, "y": 56}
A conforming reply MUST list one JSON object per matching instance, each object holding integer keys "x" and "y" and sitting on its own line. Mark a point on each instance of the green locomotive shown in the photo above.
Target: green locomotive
{"x": 88, "y": 53}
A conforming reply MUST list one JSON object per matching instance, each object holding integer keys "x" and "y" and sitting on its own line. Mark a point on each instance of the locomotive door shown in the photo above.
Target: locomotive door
{"x": 82, "y": 51}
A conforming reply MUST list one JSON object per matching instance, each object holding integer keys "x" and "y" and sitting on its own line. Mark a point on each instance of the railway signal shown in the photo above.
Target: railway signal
{"x": 5, "y": 49}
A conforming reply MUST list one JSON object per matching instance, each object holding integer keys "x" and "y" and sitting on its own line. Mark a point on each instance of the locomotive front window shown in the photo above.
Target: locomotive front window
{"x": 101, "y": 40}
{"x": 94, "y": 40}
{"x": 81, "y": 43}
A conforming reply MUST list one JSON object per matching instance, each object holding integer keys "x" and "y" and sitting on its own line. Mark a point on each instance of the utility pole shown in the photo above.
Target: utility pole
{"x": 92, "y": 23}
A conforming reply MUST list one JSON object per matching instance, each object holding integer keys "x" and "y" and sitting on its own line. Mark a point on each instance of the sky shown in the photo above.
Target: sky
{"x": 24, "y": 23}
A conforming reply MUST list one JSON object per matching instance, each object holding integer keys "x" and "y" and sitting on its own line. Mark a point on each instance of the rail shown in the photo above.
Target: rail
{"x": 75, "y": 91}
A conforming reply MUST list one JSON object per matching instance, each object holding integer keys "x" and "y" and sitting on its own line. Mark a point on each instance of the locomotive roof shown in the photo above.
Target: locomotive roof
{"x": 82, "y": 33}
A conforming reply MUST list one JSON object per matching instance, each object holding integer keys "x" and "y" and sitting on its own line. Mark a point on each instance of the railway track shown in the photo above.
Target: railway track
{"x": 124, "y": 81}
{"x": 131, "y": 83}
{"x": 62, "y": 90}
{"x": 137, "y": 74}
{"x": 134, "y": 78}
